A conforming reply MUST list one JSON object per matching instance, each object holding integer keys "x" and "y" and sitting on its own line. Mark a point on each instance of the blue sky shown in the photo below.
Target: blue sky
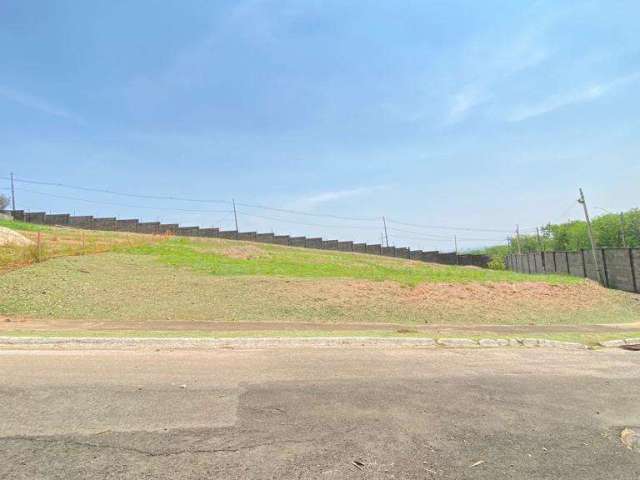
{"x": 442, "y": 113}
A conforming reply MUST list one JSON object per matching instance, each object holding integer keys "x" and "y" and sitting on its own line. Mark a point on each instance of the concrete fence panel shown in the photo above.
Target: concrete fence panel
{"x": 298, "y": 242}
{"x": 264, "y": 237}
{"x": 389, "y": 251}
{"x": 281, "y": 239}
{"x": 360, "y": 247}
{"x": 330, "y": 245}
{"x": 106, "y": 223}
{"x": 35, "y": 217}
{"x": 374, "y": 249}
{"x": 130, "y": 225}
{"x": 149, "y": 227}
{"x": 209, "y": 232}
{"x": 188, "y": 231}
{"x": 85, "y": 222}
{"x": 247, "y": 236}
{"x": 345, "y": 246}
{"x": 403, "y": 252}
{"x": 169, "y": 228}
{"x": 57, "y": 219}
{"x": 229, "y": 234}
{"x": 314, "y": 242}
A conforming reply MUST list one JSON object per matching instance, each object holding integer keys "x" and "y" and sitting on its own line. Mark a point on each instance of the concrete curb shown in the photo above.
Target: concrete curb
{"x": 288, "y": 342}
{"x": 619, "y": 342}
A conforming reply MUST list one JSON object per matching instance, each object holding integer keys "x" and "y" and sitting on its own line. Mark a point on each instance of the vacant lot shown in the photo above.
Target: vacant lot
{"x": 141, "y": 278}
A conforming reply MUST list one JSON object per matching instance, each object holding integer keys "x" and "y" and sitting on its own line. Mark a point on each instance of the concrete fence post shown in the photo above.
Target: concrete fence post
{"x": 584, "y": 263}
{"x": 634, "y": 280}
{"x": 604, "y": 268}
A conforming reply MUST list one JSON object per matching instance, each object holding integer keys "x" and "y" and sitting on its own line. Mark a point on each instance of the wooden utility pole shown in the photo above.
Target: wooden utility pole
{"x": 13, "y": 195}
{"x": 582, "y": 201}
{"x": 624, "y": 240}
{"x": 235, "y": 214}
{"x": 386, "y": 235}
{"x": 518, "y": 239}
{"x": 540, "y": 246}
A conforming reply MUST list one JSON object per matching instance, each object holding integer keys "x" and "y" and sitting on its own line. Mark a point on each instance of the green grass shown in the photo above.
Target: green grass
{"x": 152, "y": 279}
{"x": 302, "y": 263}
{"x": 24, "y": 226}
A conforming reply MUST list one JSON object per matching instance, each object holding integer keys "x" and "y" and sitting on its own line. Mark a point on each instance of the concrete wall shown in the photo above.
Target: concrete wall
{"x": 620, "y": 267}
{"x": 264, "y": 237}
{"x": 374, "y": 249}
{"x": 330, "y": 244}
{"x": 229, "y": 234}
{"x": 107, "y": 223}
{"x": 345, "y": 246}
{"x": 360, "y": 247}
{"x": 209, "y": 232}
{"x": 298, "y": 242}
{"x": 127, "y": 225}
{"x": 188, "y": 231}
{"x": 388, "y": 251}
{"x": 247, "y": 236}
{"x": 134, "y": 225}
{"x": 57, "y": 219}
{"x": 281, "y": 239}
{"x": 169, "y": 228}
{"x": 148, "y": 227}
{"x": 314, "y": 242}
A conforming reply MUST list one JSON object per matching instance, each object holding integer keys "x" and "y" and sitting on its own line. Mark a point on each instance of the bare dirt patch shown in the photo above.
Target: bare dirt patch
{"x": 11, "y": 237}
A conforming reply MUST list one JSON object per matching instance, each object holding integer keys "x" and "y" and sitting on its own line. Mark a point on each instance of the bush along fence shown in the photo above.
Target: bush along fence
{"x": 135, "y": 226}
{"x": 619, "y": 267}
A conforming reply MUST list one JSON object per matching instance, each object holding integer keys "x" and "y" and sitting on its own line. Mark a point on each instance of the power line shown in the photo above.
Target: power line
{"x": 186, "y": 199}
{"x": 442, "y": 227}
{"x": 125, "y": 205}
{"x": 296, "y": 222}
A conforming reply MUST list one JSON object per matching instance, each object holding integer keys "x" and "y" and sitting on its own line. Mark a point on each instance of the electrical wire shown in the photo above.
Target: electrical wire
{"x": 125, "y": 205}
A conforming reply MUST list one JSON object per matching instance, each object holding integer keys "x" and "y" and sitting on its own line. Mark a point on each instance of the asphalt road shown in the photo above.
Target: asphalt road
{"x": 318, "y": 413}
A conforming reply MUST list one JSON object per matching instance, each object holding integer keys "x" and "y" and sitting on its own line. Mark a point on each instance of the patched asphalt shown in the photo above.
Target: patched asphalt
{"x": 319, "y": 413}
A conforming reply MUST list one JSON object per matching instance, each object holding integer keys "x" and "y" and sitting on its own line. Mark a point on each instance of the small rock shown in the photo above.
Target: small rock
{"x": 183, "y": 386}
{"x": 630, "y": 438}
{"x": 457, "y": 342}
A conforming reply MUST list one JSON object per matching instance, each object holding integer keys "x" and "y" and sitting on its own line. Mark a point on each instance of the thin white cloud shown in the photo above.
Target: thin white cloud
{"x": 312, "y": 201}
{"x": 556, "y": 102}
{"x": 463, "y": 102}
{"x": 39, "y": 104}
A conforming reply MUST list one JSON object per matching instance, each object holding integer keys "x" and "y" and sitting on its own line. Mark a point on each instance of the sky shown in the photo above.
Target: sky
{"x": 448, "y": 117}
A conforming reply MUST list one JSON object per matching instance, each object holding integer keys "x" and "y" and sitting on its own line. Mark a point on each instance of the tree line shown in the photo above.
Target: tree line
{"x": 609, "y": 230}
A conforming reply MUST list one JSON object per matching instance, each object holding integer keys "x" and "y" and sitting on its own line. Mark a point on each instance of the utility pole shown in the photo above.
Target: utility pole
{"x": 455, "y": 242}
{"x": 386, "y": 235}
{"x": 518, "y": 239}
{"x": 235, "y": 214}
{"x": 539, "y": 241}
{"x": 582, "y": 201}
{"x": 13, "y": 195}
{"x": 624, "y": 240}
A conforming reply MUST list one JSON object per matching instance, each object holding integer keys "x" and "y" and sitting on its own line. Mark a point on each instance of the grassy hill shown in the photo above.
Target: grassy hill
{"x": 94, "y": 278}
